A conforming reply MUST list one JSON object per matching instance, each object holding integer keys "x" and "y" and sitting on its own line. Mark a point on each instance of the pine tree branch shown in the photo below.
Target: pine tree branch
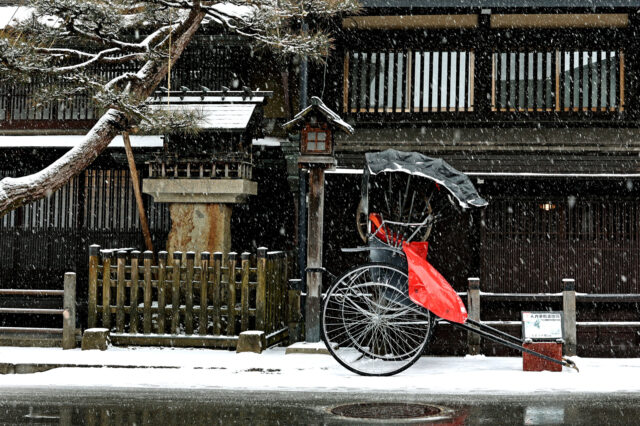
{"x": 15, "y": 192}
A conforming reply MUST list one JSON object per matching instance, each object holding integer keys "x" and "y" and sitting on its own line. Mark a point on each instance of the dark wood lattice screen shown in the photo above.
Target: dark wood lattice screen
{"x": 42, "y": 240}
{"x": 528, "y": 246}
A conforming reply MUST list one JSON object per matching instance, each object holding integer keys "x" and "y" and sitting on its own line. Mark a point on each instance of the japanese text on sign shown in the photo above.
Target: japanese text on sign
{"x": 542, "y": 325}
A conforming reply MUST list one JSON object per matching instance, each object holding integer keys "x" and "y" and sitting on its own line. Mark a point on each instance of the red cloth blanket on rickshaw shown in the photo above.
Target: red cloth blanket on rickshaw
{"x": 427, "y": 287}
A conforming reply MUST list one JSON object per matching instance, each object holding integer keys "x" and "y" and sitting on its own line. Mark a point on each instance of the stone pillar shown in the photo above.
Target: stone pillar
{"x": 200, "y": 227}
{"x": 200, "y": 210}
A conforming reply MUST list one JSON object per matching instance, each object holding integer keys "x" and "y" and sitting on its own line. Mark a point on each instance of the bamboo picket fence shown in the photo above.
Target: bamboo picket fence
{"x": 145, "y": 302}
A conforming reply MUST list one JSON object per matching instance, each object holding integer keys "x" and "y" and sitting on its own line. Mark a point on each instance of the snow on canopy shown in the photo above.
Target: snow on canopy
{"x": 213, "y": 112}
{"x": 435, "y": 169}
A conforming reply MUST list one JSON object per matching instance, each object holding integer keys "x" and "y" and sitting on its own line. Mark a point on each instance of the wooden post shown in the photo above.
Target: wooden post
{"x": 314, "y": 253}
{"x": 244, "y": 292}
{"x": 69, "y": 312}
{"x": 473, "y": 302}
{"x": 284, "y": 290}
{"x": 231, "y": 302}
{"x": 294, "y": 314}
{"x": 188, "y": 314}
{"x": 94, "y": 251}
{"x": 133, "y": 292}
{"x": 135, "y": 181}
{"x": 162, "y": 290}
{"x": 261, "y": 289}
{"x": 204, "y": 292}
{"x": 146, "y": 316}
{"x": 283, "y": 295}
{"x": 569, "y": 316}
{"x": 120, "y": 290}
{"x": 215, "y": 292}
{"x": 270, "y": 282}
{"x": 175, "y": 292}
{"x": 106, "y": 289}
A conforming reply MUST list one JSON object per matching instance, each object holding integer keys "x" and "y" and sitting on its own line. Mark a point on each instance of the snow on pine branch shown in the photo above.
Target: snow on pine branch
{"x": 70, "y": 44}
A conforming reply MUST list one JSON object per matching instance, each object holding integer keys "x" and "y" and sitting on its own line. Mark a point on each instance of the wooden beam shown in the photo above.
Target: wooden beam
{"x": 471, "y": 77}
{"x": 413, "y": 22}
{"x": 621, "y": 81}
{"x": 557, "y": 97}
{"x": 409, "y": 74}
{"x": 315, "y": 224}
{"x": 136, "y": 190}
{"x": 174, "y": 340}
{"x": 345, "y": 82}
{"x": 563, "y": 20}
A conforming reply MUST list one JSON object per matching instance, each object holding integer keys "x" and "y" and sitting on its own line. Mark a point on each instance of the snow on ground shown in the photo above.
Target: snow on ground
{"x": 273, "y": 370}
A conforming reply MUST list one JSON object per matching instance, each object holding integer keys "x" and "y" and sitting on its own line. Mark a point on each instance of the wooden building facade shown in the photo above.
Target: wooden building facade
{"x": 537, "y": 103}
{"x": 41, "y": 241}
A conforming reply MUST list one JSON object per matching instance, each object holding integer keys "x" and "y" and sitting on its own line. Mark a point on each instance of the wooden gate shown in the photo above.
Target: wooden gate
{"x": 204, "y": 302}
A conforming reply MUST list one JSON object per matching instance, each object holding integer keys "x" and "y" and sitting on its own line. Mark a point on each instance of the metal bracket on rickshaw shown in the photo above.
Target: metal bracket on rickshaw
{"x": 361, "y": 249}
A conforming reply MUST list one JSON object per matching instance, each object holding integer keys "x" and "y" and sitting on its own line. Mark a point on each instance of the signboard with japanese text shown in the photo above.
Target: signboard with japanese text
{"x": 545, "y": 325}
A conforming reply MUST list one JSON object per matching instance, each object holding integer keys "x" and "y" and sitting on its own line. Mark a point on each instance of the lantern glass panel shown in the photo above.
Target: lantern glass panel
{"x": 316, "y": 140}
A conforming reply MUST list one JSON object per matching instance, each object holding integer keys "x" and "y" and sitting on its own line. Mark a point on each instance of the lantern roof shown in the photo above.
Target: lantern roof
{"x": 319, "y": 107}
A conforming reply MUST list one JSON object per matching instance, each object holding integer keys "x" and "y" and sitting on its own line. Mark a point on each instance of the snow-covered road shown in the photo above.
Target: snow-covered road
{"x": 273, "y": 370}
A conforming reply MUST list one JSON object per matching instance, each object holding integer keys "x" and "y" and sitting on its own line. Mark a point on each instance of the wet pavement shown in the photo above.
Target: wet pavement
{"x": 111, "y": 406}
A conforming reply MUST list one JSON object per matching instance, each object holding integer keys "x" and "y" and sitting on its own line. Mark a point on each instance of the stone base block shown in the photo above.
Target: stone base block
{"x": 96, "y": 338}
{"x": 252, "y": 341}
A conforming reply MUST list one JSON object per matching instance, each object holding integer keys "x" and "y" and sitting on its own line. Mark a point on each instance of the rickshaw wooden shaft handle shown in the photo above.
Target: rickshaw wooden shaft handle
{"x": 497, "y": 339}
{"x": 487, "y": 328}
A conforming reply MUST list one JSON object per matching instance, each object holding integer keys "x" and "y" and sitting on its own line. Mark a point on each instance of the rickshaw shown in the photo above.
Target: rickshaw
{"x": 378, "y": 317}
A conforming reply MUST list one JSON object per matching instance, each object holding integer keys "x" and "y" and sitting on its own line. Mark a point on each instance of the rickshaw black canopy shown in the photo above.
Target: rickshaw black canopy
{"x": 435, "y": 169}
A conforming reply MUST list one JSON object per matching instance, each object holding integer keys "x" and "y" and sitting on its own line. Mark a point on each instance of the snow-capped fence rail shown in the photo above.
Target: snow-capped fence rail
{"x": 39, "y": 336}
{"x": 181, "y": 303}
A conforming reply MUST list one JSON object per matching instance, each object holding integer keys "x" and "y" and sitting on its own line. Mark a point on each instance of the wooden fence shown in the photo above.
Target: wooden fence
{"x": 40, "y": 336}
{"x": 144, "y": 302}
{"x": 568, "y": 298}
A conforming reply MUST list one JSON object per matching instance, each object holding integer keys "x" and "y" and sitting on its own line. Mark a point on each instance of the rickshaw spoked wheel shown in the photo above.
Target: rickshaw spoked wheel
{"x": 370, "y": 325}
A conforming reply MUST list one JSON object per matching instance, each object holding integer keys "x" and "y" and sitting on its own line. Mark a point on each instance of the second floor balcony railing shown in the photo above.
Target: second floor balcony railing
{"x": 408, "y": 81}
{"x": 388, "y": 85}
{"x": 557, "y": 81}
